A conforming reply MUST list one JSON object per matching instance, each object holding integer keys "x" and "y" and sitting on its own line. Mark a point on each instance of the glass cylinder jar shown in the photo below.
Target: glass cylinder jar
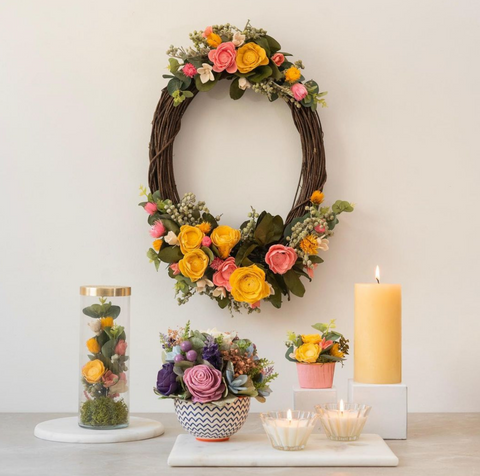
{"x": 104, "y": 375}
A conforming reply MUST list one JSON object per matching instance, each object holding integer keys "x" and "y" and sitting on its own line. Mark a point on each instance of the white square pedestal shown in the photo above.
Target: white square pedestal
{"x": 388, "y": 416}
{"x": 306, "y": 398}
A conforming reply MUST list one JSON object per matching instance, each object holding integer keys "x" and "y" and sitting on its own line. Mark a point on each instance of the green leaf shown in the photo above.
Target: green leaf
{"x": 88, "y": 311}
{"x": 170, "y": 225}
{"x": 273, "y": 44}
{"x": 170, "y": 254}
{"x": 269, "y": 229}
{"x": 275, "y": 299}
{"x": 332, "y": 335}
{"x": 342, "y": 206}
{"x": 186, "y": 81}
{"x": 243, "y": 252}
{"x": 320, "y": 327}
{"x": 263, "y": 42}
{"x": 152, "y": 254}
{"x": 205, "y": 86}
{"x": 300, "y": 271}
{"x": 287, "y": 354}
{"x": 294, "y": 284}
{"x": 223, "y": 302}
{"x": 173, "y": 65}
{"x": 288, "y": 228}
{"x": 209, "y": 219}
{"x": 113, "y": 311}
{"x": 235, "y": 91}
{"x": 315, "y": 259}
{"x": 209, "y": 253}
{"x": 108, "y": 349}
{"x": 261, "y": 73}
{"x": 174, "y": 85}
{"x": 276, "y": 73}
{"x": 331, "y": 224}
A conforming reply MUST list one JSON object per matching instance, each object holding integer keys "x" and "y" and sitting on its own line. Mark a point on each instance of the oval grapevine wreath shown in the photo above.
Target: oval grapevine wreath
{"x": 265, "y": 258}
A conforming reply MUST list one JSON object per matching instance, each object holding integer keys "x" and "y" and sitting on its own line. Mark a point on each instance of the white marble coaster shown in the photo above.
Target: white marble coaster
{"x": 255, "y": 450}
{"x": 66, "y": 430}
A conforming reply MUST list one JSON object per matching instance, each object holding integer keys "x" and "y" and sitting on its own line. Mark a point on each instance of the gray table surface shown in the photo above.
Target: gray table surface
{"x": 438, "y": 444}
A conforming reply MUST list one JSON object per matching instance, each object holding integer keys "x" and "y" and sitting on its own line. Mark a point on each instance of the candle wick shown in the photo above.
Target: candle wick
{"x": 378, "y": 280}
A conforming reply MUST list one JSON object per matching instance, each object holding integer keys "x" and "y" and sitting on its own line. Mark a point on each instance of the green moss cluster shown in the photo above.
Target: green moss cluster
{"x": 104, "y": 411}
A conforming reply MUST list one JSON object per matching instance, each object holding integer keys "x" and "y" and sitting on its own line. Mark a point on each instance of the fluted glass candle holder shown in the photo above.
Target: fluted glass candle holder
{"x": 288, "y": 431}
{"x": 343, "y": 422}
{"x": 104, "y": 357}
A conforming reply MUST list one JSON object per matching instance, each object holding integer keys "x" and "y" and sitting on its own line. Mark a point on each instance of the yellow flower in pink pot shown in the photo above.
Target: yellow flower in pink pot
{"x": 307, "y": 353}
{"x": 311, "y": 338}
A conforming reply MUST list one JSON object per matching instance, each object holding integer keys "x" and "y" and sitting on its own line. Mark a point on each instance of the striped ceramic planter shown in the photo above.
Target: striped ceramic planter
{"x": 209, "y": 422}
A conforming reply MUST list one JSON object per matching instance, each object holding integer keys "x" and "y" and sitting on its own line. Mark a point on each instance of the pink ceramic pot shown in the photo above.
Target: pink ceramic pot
{"x": 316, "y": 375}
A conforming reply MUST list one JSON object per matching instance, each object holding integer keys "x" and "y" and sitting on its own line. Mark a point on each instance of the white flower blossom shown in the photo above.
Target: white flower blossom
{"x": 322, "y": 244}
{"x": 227, "y": 336}
{"x": 244, "y": 83}
{"x": 96, "y": 326}
{"x": 171, "y": 238}
{"x": 238, "y": 39}
{"x": 205, "y": 73}
{"x": 202, "y": 285}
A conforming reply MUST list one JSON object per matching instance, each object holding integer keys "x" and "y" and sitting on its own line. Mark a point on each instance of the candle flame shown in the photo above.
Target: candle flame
{"x": 377, "y": 274}
{"x": 341, "y": 406}
{"x": 289, "y": 416}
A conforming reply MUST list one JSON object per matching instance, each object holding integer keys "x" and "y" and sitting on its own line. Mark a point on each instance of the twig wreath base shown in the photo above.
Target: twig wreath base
{"x": 264, "y": 258}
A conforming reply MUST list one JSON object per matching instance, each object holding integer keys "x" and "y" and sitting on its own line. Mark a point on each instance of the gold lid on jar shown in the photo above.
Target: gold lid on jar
{"x": 101, "y": 291}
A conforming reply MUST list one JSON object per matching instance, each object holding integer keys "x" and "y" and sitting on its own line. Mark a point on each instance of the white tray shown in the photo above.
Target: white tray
{"x": 255, "y": 450}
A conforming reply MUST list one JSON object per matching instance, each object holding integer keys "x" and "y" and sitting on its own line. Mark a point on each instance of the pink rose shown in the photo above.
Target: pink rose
{"x": 278, "y": 59}
{"x": 206, "y": 241}
{"x": 222, "y": 277}
{"x": 189, "y": 70}
{"x": 109, "y": 379}
{"x": 299, "y": 91}
{"x": 223, "y": 58}
{"x": 157, "y": 230}
{"x": 150, "y": 208}
{"x": 320, "y": 229}
{"x": 204, "y": 383}
{"x": 280, "y": 258}
{"x": 121, "y": 347}
{"x": 207, "y": 32}
{"x": 175, "y": 269}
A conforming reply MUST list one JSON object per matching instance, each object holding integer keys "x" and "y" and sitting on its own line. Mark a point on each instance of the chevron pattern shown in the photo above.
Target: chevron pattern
{"x": 208, "y": 421}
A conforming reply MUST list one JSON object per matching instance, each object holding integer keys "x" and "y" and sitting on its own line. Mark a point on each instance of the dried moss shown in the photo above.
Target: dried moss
{"x": 103, "y": 411}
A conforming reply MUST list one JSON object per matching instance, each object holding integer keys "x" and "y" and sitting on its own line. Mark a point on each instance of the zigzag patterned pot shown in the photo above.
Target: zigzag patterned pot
{"x": 209, "y": 422}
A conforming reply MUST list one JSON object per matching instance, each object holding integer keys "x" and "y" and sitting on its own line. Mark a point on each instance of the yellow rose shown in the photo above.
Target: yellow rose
{"x": 190, "y": 238}
{"x": 92, "y": 371}
{"x": 213, "y": 40}
{"x": 250, "y": 56}
{"x": 93, "y": 346}
{"x": 307, "y": 353}
{"x": 336, "y": 352}
{"x": 193, "y": 264}
{"x": 106, "y": 322}
{"x": 249, "y": 285}
{"x": 292, "y": 74}
{"x": 311, "y": 338}
{"x": 225, "y": 238}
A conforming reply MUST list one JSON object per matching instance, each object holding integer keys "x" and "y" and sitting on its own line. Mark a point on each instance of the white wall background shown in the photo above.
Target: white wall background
{"x": 79, "y": 84}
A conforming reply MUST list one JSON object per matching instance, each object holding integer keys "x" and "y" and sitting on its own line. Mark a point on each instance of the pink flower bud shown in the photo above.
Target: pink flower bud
{"x": 150, "y": 208}
{"x": 206, "y": 241}
{"x": 157, "y": 230}
{"x": 320, "y": 229}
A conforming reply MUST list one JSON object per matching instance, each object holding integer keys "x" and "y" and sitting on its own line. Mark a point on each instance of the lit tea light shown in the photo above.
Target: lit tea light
{"x": 288, "y": 431}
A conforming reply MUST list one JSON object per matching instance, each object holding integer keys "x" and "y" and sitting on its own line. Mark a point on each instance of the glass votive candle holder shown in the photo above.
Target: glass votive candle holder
{"x": 288, "y": 430}
{"x": 343, "y": 421}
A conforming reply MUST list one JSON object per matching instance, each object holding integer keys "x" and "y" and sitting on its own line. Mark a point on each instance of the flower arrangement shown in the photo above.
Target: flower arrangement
{"x": 104, "y": 376}
{"x": 262, "y": 260}
{"x": 249, "y": 58}
{"x": 324, "y": 347}
{"x": 211, "y": 367}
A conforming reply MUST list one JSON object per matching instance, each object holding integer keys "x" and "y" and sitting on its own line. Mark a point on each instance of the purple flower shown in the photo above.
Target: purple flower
{"x": 211, "y": 353}
{"x": 167, "y": 380}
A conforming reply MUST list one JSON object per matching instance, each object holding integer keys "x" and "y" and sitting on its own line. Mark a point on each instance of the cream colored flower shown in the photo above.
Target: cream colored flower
{"x": 272, "y": 291}
{"x": 171, "y": 238}
{"x": 205, "y": 73}
{"x": 219, "y": 292}
{"x": 202, "y": 285}
{"x": 227, "y": 336}
{"x": 238, "y": 39}
{"x": 322, "y": 244}
{"x": 96, "y": 326}
{"x": 244, "y": 83}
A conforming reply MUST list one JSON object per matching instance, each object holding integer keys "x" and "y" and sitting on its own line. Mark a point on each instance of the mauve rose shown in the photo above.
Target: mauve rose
{"x": 204, "y": 383}
{"x": 109, "y": 379}
{"x": 280, "y": 258}
{"x": 278, "y": 59}
{"x": 222, "y": 277}
{"x": 121, "y": 347}
{"x": 167, "y": 380}
{"x": 223, "y": 58}
{"x": 150, "y": 208}
{"x": 299, "y": 91}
